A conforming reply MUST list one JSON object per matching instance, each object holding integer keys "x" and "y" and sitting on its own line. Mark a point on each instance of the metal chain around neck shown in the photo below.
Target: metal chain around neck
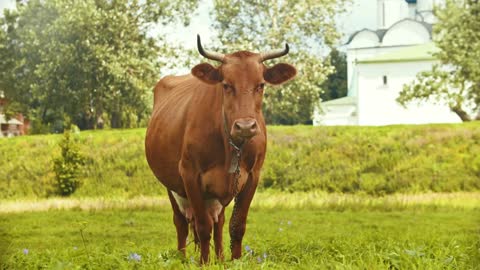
{"x": 236, "y": 175}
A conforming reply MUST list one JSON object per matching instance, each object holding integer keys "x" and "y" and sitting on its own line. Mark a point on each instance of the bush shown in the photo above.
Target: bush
{"x": 67, "y": 166}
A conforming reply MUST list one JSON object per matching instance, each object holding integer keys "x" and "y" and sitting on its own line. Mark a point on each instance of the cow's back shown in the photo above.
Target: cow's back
{"x": 166, "y": 129}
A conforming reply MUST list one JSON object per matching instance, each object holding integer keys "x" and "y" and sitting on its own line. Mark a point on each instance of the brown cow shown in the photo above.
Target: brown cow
{"x": 206, "y": 142}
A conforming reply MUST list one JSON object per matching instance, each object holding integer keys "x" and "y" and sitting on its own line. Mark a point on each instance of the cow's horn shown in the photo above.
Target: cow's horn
{"x": 208, "y": 54}
{"x": 274, "y": 53}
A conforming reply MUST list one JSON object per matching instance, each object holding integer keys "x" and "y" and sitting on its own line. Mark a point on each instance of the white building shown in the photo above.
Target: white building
{"x": 380, "y": 62}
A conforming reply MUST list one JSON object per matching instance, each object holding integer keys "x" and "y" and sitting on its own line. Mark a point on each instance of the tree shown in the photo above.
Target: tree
{"x": 336, "y": 85}
{"x": 455, "y": 81}
{"x": 307, "y": 26}
{"x": 87, "y": 60}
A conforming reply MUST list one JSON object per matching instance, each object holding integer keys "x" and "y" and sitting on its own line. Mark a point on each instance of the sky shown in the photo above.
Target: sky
{"x": 360, "y": 14}
{"x": 6, "y": 4}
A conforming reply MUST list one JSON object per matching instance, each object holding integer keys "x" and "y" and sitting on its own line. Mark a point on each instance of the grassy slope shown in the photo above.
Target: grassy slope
{"x": 376, "y": 160}
{"x": 301, "y": 238}
{"x": 373, "y": 160}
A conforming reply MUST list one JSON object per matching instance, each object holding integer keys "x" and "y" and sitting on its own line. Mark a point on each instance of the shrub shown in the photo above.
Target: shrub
{"x": 67, "y": 166}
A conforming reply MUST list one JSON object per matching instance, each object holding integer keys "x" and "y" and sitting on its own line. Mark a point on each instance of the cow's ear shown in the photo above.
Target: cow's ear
{"x": 279, "y": 73}
{"x": 207, "y": 73}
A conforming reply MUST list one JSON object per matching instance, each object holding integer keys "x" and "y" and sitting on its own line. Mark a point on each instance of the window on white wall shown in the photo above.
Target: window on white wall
{"x": 385, "y": 80}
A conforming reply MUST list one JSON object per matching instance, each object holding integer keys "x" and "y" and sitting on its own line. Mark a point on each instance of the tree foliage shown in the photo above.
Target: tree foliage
{"x": 307, "y": 26}
{"x": 455, "y": 81}
{"x": 91, "y": 60}
{"x": 336, "y": 85}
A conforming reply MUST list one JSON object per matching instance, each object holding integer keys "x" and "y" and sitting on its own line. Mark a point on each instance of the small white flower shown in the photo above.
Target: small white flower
{"x": 134, "y": 257}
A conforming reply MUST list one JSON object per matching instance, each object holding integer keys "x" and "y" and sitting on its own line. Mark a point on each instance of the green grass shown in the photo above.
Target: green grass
{"x": 360, "y": 160}
{"x": 422, "y": 232}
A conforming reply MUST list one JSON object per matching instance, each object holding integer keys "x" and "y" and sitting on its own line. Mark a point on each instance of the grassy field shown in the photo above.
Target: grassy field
{"x": 284, "y": 231}
{"x": 397, "y": 197}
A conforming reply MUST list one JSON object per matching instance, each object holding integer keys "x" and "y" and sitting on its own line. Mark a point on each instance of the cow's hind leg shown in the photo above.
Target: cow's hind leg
{"x": 203, "y": 221}
{"x": 181, "y": 224}
{"x": 218, "y": 235}
{"x": 195, "y": 235}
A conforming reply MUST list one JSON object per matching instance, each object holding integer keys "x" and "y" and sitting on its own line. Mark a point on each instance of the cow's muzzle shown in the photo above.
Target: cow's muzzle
{"x": 244, "y": 128}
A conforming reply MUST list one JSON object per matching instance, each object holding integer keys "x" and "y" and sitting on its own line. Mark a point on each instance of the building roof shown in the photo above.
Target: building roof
{"x": 381, "y": 32}
{"x": 415, "y": 53}
{"x": 12, "y": 121}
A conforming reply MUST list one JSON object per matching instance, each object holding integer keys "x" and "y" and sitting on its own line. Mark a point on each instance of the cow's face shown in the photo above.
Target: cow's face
{"x": 242, "y": 78}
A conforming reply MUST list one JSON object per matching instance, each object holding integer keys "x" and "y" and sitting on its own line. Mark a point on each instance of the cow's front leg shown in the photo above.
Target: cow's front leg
{"x": 203, "y": 221}
{"x": 239, "y": 215}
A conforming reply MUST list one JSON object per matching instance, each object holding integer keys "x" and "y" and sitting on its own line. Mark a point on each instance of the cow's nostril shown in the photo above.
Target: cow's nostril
{"x": 253, "y": 126}
{"x": 237, "y": 126}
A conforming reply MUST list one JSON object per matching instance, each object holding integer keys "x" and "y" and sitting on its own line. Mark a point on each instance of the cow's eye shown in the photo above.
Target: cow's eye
{"x": 260, "y": 87}
{"x": 226, "y": 87}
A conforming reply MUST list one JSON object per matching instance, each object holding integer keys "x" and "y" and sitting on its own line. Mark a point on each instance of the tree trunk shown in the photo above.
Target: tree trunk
{"x": 115, "y": 120}
{"x": 461, "y": 113}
